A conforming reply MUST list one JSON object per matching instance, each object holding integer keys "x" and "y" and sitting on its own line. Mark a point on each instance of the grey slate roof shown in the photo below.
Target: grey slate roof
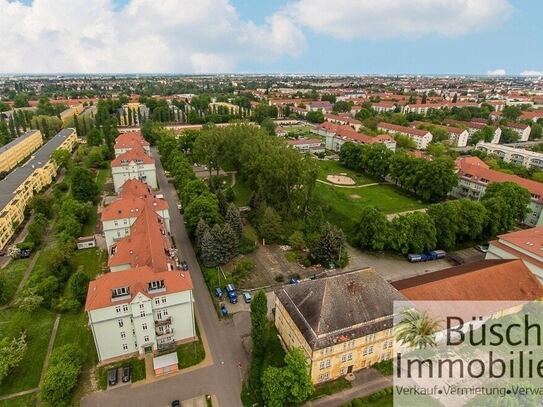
{"x": 19, "y": 175}
{"x": 340, "y": 308}
{"x": 16, "y": 141}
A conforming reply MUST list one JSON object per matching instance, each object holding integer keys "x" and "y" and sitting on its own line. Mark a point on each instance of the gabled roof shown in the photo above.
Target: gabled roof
{"x": 135, "y": 154}
{"x": 130, "y": 140}
{"x": 530, "y": 240}
{"x": 137, "y": 280}
{"x": 346, "y": 132}
{"x": 476, "y": 170}
{"x": 402, "y": 129}
{"x": 486, "y": 280}
{"x": 147, "y": 245}
{"x": 339, "y": 308}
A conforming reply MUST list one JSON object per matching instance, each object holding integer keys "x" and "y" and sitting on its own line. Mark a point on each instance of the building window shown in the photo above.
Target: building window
{"x": 342, "y": 371}
{"x": 118, "y": 309}
{"x": 163, "y": 300}
{"x": 323, "y": 377}
{"x": 146, "y": 338}
{"x": 142, "y": 313}
{"x": 123, "y": 335}
{"x": 125, "y": 346}
{"x": 165, "y": 312}
{"x": 157, "y": 301}
{"x": 142, "y": 305}
{"x": 120, "y": 323}
{"x": 346, "y": 357}
{"x": 144, "y": 326}
{"x": 125, "y": 307}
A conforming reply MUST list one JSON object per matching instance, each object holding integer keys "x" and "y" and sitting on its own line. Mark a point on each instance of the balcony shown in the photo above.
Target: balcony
{"x": 162, "y": 322}
{"x": 164, "y": 333}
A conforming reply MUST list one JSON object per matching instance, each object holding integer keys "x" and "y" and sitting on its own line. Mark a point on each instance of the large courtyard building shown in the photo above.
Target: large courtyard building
{"x": 17, "y": 150}
{"x": 474, "y": 175}
{"x": 21, "y": 184}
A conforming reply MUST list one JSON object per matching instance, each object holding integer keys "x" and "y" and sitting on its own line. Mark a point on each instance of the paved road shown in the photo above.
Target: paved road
{"x": 223, "y": 378}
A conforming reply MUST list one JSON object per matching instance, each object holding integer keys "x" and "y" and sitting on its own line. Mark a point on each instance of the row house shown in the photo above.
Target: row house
{"x": 134, "y": 196}
{"x": 305, "y": 145}
{"x": 319, "y": 106}
{"x": 474, "y": 126}
{"x": 474, "y": 175}
{"x": 523, "y": 130}
{"x": 20, "y": 185}
{"x": 17, "y": 150}
{"x": 384, "y": 106}
{"x": 133, "y": 164}
{"x": 127, "y": 141}
{"x": 343, "y": 120}
{"x": 423, "y": 108}
{"x": 534, "y": 116}
{"x": 457, "y": 137}
{"x": 337, "y": 135}
{"x": 421, "y": 137}
{"x": 518, "y": 156}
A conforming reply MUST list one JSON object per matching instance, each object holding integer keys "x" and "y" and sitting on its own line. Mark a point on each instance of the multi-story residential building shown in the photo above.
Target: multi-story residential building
{"x": 133, "y": 113}
{"x": 307, "y": 145}
{"x": 423, "y": 108}
{"x": 343, "y": 120}
{"x": 20, "y": 185}
{"x": 133, "y": 164}
{"x": 523, "y": 130}
{"x": 474, "y": 126}
{"x": 322, "y": 106}
{"x": 147, "y": 244}
{"x": 67, "y": 114}
{"x": 337, "y": 135}
{"x": 118, "y": 217}
{"x": 343, "y": 322}
{"x": 526, "y": 245}
{"x": 458, "y": 137}
{"x": 421, "y": 137}
{"x": 384, "y": 106}
{"x": 140, "y": 310}
{"x": 532, "y": 115}
{"x": 518, "y": 156}
{"x": 474, "y": 175}
{"x": 127, "y": 141}
{"x": 19, "y": 149}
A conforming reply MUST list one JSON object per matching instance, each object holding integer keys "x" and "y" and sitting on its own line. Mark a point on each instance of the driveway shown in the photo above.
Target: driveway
{"x": 224, "y": 377}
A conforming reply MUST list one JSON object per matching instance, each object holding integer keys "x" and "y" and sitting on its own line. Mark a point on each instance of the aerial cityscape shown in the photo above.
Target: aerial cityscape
{"x": 292, "y": 203}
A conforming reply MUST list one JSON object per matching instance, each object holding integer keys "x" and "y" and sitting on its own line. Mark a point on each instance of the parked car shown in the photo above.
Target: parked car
{"x": 224, "y": 310}
{"x": 25, "y": 253}
{"x": 483, "y": 247}
{"x": 247, "y": 297}
{"x": 429, "y": 256}
{"x": 126, "y": 374}
{"x": 176, "y": 403}
{"x": 218, "y": 292}
{"x": 184, "y": 265}
{"x": 232, "y": 293}
{"x": 112, "y": 377}
{"x": 179, "y": 206}
{"x": 294, "y": 280}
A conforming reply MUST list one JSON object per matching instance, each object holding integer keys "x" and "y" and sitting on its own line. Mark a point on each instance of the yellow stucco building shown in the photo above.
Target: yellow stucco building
{"x": 19, "y": 186}
{"x": 19, "y": 149}
{"x": 343, "y": 322}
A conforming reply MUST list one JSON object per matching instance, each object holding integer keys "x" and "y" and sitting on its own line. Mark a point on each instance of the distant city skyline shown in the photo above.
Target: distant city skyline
{"x": 390, "y": 37}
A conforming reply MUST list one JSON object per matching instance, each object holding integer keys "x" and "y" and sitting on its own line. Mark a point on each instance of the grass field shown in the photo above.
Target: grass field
{"x": 37, "y": 326}
{"x": 328, "y": 167}
{"x": 344, "y": 205}
{"x": 13, "y": 274}
{"x": 21, "y": 401}
{"x": 190, "y": 354}
{"x": 242, "y": 193}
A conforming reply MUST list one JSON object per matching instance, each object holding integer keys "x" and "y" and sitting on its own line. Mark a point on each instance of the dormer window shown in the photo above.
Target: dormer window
{"x": 119, "y": 292}
{"x": 156, "y": 285}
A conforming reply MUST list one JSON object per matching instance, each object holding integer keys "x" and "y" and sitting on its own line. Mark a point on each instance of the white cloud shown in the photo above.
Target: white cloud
{"x": 143, "y": 36}
{"x": 383, "y": 19}
{"x": 531, "y": 72}
{"x": 496, "y": 72}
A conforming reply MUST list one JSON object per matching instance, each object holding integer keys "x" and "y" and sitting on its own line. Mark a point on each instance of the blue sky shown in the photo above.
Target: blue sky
{"x": 283, "y": 36}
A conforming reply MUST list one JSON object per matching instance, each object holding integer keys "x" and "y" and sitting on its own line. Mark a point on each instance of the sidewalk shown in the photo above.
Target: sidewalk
{"x": 368, "y": 381}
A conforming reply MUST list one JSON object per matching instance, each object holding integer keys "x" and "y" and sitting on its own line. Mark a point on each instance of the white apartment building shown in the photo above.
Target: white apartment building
{"x": 119, "y": 216}
{"x": 133, "y": 164}
{"x": 523, "y": 130}
{"x": 421, "y": 137}
{"x": 513, "y": 155}
{"x": 138, "y": 310}
{"x": 474, "y": 126}
{"x": 458, "y": 137}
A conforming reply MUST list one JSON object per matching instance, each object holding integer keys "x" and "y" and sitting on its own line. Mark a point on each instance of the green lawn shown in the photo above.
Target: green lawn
{"x": 328, "y": 167}
{"x": 298, "y": 130}
{"x": 332, "y": 387}
{"x": 242, "y": 193}
{"x": 190, "y": 354}
{"x": 37, "y": 326}
{"x": 344, "y": 205}
{"x": 21, "y": 401}
{"x": 91, "y": 260}
{"x": 13, "y": 274}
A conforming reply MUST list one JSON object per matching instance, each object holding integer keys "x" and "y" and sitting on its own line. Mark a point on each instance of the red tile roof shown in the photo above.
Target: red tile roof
{"x": 402, "y": 129}
{"x": 519, "y": 126}
{"x": 332, "y": 117}
{"x": 530, "y": 240}
{"x": 536, "y": 114}
{"x": 487, "y": 280}
{"x": 476, "y": 170}
{"x": 346, "y": 132}
{"x": 130, "y": 140}
{"x": 135, "y": 154}
{"x": 137, "y": 280}
{"x": 147, "y": 245}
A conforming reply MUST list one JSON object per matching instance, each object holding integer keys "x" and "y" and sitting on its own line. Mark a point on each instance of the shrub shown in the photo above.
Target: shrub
{"x": 62, "y": 375}
{"x": 67, "y": 305}
{"x": 280, "y": 278}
